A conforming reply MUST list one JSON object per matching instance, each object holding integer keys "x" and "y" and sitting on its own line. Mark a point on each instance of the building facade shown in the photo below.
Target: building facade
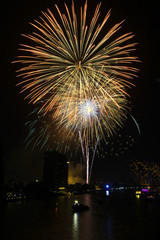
{"x": 55, "y": 170}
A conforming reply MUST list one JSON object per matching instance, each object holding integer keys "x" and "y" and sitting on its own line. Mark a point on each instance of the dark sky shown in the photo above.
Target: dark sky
{"x": 142, "y": 18}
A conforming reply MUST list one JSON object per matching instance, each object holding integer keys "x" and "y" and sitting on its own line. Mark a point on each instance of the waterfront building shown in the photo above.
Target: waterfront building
{"x": 55, "y": 170}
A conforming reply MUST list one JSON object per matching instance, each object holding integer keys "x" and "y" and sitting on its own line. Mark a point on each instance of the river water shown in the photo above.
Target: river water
{"x": 123, "y": 217}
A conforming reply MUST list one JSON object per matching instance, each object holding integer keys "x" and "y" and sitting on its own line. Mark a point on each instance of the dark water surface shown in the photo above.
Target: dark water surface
{"x": 124, "y": 217}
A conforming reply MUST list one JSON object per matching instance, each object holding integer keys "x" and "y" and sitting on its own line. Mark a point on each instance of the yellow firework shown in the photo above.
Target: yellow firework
{"x": 80, "y": 72}
{"x": 94, "y": 114}
{"x": 70, "y": 54}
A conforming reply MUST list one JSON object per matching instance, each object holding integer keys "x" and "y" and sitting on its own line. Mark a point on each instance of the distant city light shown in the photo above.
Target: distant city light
{"x": 138, "y": 192}
{"x": 107, "y": 186}
{"x": 137, "y": 196}
{"x": 61, "y": 188}
{"x": 145, "y": 190}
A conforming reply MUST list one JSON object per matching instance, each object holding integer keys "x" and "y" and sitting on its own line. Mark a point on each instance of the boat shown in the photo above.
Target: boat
{"x": 78, "y": 207}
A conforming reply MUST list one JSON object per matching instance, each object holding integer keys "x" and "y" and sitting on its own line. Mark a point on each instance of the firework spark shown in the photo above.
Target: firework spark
{"x": 43, "y": 134}
{"x": 93, "y": 116}
{"x": 79, "y": 72}
{"x": 70, "y": 54}
{"x": 146, "y": 173}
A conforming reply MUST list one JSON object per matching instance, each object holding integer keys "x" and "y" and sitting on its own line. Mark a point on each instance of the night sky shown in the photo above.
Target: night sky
{"x": 142, "y": 18}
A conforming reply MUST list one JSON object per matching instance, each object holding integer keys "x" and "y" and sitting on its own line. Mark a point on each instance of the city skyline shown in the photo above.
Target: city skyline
{"x": 145, "y": 101}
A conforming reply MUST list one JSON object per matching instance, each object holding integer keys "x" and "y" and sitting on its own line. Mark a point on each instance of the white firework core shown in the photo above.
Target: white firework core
{"x": 88, "y": 109}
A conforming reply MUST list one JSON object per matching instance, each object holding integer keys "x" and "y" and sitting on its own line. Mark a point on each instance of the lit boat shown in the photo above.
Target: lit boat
{"x": 78, "y": 207}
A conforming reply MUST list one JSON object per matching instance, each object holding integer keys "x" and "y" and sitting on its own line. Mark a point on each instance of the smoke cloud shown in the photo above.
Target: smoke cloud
{"x": 76, "y": 174}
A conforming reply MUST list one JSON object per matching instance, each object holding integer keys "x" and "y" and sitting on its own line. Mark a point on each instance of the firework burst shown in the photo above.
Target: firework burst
{"x": 91, "y": 115}
{"x": 70, "y": 54}
{"x": 79, "y": 72}
{"x": 44, "y": 133}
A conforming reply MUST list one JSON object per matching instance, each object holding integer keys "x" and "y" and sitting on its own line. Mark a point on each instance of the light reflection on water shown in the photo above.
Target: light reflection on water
{"x": 75, "y": 229}
{"x": 123, "y": 217}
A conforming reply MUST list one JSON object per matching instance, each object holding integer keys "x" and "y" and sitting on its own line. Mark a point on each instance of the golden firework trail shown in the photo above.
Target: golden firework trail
{"x": 94, "y": 115}
{"x": 70, "y": 54}
{"x": 80, "y": 72}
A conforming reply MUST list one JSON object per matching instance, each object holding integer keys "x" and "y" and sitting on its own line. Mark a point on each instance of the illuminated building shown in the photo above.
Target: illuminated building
{"x": 55, "y": 170}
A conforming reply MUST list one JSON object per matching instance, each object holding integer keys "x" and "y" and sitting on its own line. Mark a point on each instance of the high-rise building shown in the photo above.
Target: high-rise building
{"x": 55, "y": 170}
